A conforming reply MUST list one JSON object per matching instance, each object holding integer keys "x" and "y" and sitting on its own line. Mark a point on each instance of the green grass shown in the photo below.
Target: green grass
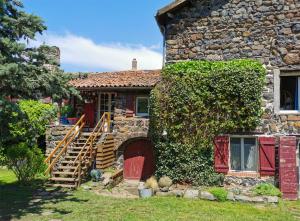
{"x": 7, "y": 176}
{"x": 15, "y": 203}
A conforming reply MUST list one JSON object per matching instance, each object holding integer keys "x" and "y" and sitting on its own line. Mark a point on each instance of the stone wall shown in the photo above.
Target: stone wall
{"x": 126, "y": 126}
{"x": 227, "y": 29}
{"x": 55, "y": 134}
{"x": 230, "y": 29}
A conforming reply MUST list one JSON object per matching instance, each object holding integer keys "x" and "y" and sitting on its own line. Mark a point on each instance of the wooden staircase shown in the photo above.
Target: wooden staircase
{"x": 70, "y": 161}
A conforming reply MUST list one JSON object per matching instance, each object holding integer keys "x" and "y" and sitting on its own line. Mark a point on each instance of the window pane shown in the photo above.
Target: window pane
{"x": 250, "y": 151}
{"x": 289, "y": 93}
{"x": 235, "y": 153}
{"x": 142, "y": 105}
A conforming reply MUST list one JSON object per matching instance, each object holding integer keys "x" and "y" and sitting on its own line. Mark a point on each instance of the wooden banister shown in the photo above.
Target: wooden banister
{"x": 100, "y": 128}
{"x": 69, "y": 137}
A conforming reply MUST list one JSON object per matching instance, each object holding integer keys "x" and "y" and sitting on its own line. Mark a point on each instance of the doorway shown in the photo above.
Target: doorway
{"x": 138, "y": 160}
{"x": 106, "y": 103}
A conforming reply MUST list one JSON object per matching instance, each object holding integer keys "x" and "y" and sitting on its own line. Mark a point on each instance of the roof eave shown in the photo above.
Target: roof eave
{"x": 162, "y": 13}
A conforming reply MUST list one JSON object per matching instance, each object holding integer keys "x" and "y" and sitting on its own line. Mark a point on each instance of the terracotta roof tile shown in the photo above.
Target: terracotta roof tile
{"x": 118, "y": 79}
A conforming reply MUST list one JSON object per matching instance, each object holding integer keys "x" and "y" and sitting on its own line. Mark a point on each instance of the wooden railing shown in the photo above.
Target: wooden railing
{"x": 103, "y": 125}
{"x": 64, "y": 144}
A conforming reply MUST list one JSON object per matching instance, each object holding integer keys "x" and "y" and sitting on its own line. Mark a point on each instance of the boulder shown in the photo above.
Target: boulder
{"x": 207, "y": 196}
{"x": 191, "y": 194}
{"x": 272, "y": 199}
{"x": 230, "y": 196}
{"x": 178, "y": 193}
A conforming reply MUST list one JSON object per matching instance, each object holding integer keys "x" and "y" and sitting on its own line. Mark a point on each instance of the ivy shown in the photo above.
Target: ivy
{"x": 195, "y": 101}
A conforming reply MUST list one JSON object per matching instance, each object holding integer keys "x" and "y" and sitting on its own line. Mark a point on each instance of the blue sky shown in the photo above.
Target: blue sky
{"x": 99, "y": 35}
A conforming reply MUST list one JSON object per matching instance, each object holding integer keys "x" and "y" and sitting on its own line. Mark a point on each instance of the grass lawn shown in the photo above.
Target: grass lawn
{"x": 17, "y": 203}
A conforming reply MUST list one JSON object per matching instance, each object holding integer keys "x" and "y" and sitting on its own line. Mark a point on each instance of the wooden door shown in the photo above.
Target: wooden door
{"x": 89, "y": 111}
{"x": 138, "y": 160}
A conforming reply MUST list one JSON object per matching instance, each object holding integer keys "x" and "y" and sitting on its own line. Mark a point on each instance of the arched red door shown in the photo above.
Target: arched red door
{"x": 139, "y": 160}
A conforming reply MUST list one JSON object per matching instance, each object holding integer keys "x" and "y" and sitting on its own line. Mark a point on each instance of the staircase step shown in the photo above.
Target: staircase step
{"x": 69, "y": 162}
{"x": 63, "y": 179}
{"x": 63, "y": 173}
{"x": 63, "y": 185}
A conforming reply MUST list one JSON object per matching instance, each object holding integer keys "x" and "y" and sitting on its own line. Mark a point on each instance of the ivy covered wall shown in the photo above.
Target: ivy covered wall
{"x": 195, "y": 101}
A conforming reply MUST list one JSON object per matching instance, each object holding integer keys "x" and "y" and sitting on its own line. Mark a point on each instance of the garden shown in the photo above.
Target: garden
{"x": 37, "y": 202}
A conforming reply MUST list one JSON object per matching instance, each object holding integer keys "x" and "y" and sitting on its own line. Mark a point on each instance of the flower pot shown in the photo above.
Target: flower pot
{"x": 145, "y": 193}
{"x": 73, "y": 121}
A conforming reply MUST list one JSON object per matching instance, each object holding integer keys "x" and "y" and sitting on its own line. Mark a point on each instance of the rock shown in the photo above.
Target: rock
{"x": 292, "y": 58}
{"x": 47, "y": 213}
{"x": 86, "y": 187}
{"x": 296, "y": 28}
{"x": 242, "y": 198}
{"x": 272, "y": 199}
{"x": 230, "y": 196}
{"x": 191, "y": 194}
{"x": 178, "y": 193}
{"x": 120, "y": 162}
{"x": 207, "y": 196}
{"x": 164, "y": 189}
{"x": 106, "y": 181}
{"x": 257, "y": 199}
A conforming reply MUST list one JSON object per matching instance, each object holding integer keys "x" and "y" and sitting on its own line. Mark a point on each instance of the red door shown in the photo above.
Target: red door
{"x": 138, "y": 160}
{"x": 89, "y": 111}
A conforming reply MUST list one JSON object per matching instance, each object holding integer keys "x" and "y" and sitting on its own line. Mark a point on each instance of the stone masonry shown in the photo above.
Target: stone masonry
{"x": 266, "y": 30}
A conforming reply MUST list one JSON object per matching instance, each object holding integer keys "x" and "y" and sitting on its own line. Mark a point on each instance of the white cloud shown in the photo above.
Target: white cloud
{"x": 84, "y": 54}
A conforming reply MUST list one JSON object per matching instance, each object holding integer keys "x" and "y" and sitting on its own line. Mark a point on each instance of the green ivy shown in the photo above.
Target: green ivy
{"x": 195, "y": 101}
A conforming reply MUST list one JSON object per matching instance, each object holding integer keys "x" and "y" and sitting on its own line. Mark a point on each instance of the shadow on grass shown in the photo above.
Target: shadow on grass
{"x": 17, "y": 200}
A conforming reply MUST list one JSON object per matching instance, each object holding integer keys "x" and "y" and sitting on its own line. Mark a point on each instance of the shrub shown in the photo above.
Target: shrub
{"x": 165, "y": 181}
{"x": 266, "y": 189}
{"x": 39, "y": 114}
{"x": 25, "y": 162}
{"x": 194, "y": 102}
{"x": 219, "y": 193}
{"x": 152, "y": 183}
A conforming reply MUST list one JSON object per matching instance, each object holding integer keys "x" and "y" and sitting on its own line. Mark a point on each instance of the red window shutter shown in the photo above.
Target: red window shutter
{"x": 221, "y": 154}
{"x": 130, "y": 105}
{"x": 267, "y": 156}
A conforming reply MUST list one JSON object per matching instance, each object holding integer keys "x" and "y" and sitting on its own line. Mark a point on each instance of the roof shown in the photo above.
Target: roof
{"x": 162, "y": 13}
{"x": 121, "y": 79}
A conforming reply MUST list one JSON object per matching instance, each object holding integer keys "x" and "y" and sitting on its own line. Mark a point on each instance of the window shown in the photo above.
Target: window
{"x": 142, "y": 106}
{"x": 243, "y": 154}
{"x": 289, "y": 93}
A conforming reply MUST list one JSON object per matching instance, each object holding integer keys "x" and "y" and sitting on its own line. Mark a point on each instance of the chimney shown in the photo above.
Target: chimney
{"x": 134, "y": 64}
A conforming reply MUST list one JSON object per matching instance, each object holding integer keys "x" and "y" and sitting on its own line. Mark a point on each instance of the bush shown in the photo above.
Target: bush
{"x": 186, "y": 163}
{"x": 219, "y": 193}
{"x": 152, "y": 183}
{"x": 196, "y": 101}
{"x": 25, "y": 162}
{"x": 266, "y": 189}
{"x": 39, "y": 114}
{"x": 165, "y": 181}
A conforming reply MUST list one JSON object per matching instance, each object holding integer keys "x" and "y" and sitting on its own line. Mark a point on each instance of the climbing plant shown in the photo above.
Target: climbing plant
{"x": 195, "y": 101}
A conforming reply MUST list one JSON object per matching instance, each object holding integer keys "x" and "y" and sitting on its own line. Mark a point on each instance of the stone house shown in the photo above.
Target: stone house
{"x": 268, "y": 31}
{"x": 125, "y": 95}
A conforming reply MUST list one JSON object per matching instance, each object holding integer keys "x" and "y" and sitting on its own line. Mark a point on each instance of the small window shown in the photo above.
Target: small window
{"x": 289, "y": 93}
{"x": 243, "y": 154}
{"x": 142, "y": 106}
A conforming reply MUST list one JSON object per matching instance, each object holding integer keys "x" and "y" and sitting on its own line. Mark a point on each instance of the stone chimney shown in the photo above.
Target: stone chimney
{"x": 134, "y": 64}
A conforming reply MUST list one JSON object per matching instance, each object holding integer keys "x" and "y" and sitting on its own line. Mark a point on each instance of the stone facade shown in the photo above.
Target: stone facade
{"x": 128, "y": 126}
{"x": 230, "y": 29}
{"x": 55, "y": 134}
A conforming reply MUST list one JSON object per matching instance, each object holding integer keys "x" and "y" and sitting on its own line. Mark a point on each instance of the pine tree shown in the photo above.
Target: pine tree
{"x": 24, "y": 71}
